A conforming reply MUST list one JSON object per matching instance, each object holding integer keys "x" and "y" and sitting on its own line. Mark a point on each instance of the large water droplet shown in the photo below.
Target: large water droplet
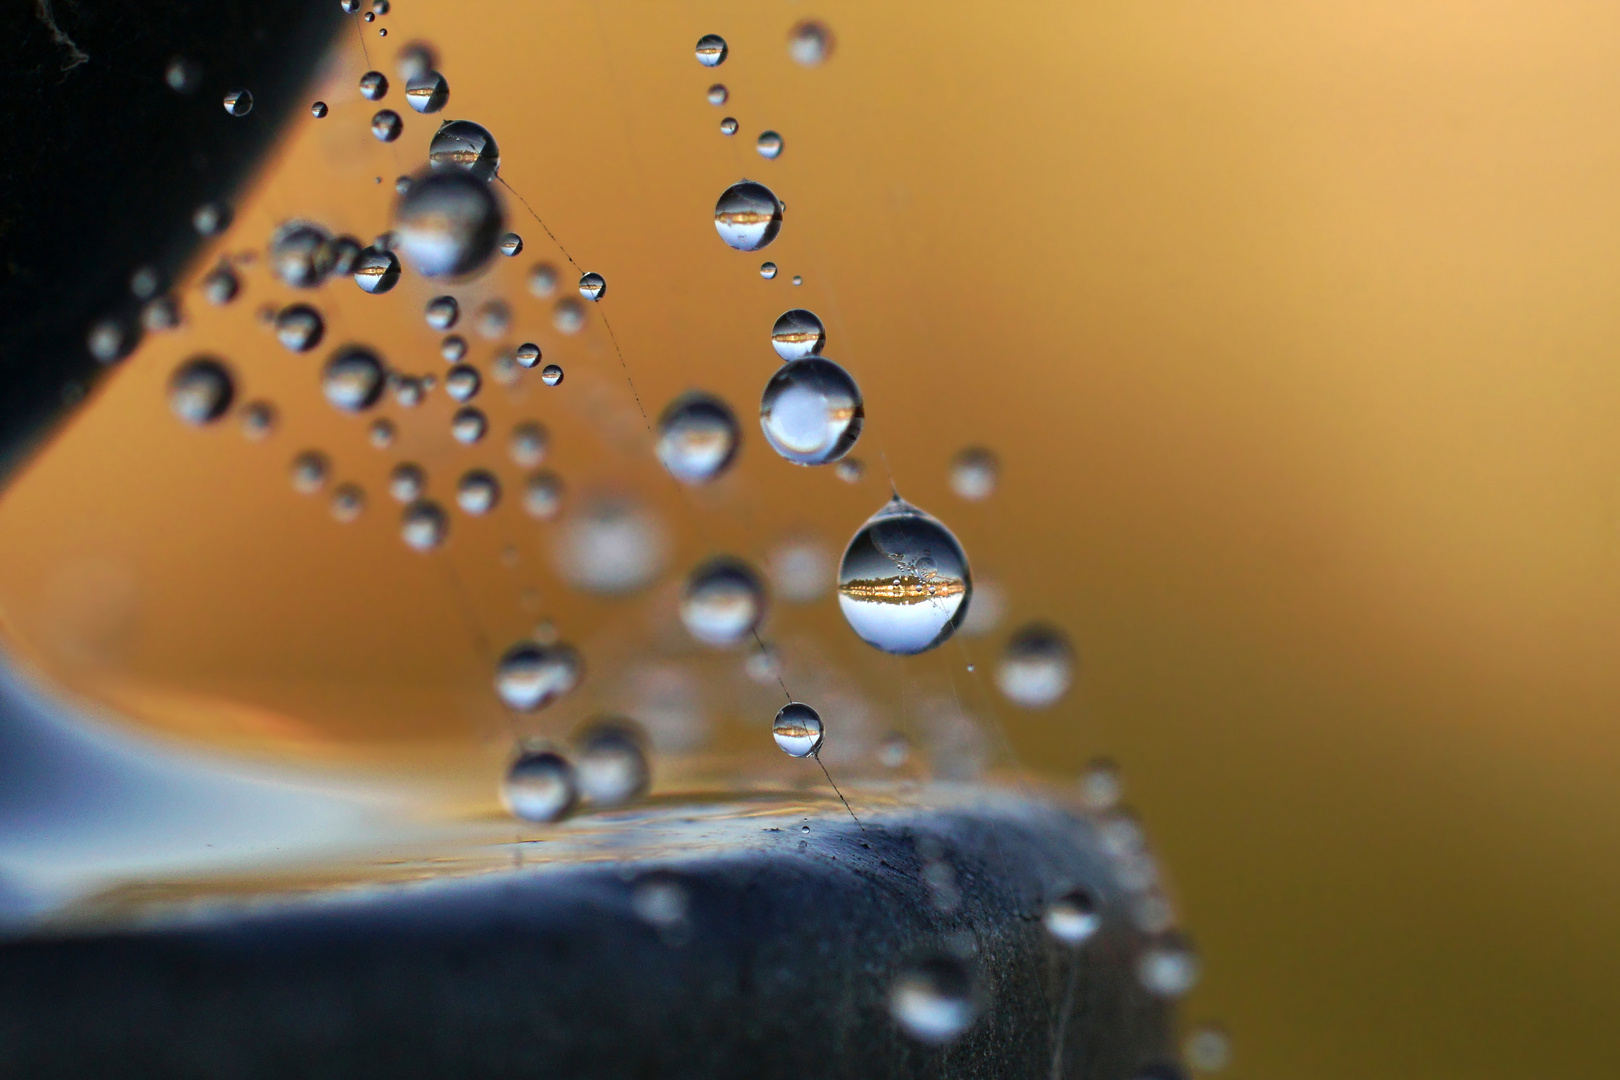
{"x": 373, "y": 85}
{"x": 531, "y": 676}
{"x": 769, "y": 145}
{"x": 428, "y": 92}
{"x": 200, "y": 390}
{"x": 1037, "y": 668}
{"x": 1073, "y": 918}
{"x": 904, "y": 582}
{"x": 810, "y": 43}
{"x": 424, "y": 525}
{"x": 724, "y": 602}
{"x": 797, "y": 729}
{"x": 797, "y": 334}
{"x": 697, "y": 437}
{"x": 711, "y": 50}
{"x": 612, "y": 763}
{"x": 974, "y": 472}
{"x": 376, "y": 270}
{"x": 448, "y": 223}
{"x": 811, "y": 411}
{"x": 748, "y": 215}
{"x": 540, "y": 787}
{"x": 465, "y": 146}
{"x": 477, "y": 492}
{"x": 301, "y": 254}
{"x": 934, "y": 1001}
{"x": 299, "y": 327}
{"x": 353, "y": 379}
{"x": 238, "y": 103}
{"x": 1168, "y": 967}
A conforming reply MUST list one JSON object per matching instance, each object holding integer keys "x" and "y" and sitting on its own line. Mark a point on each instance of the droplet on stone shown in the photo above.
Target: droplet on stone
{"x": 201, "y": 390}
{"x": 540, "y": 787}
{"x": 718, "y": 94}
{"x": 309, "y": 472}
{"x": 592, "y": 286}
{"x": 424, "y": 525}
{"x": 1073, "y": 918}
{"x": 797, "y": 334}
{"x": 711, "y": 50}
{"x": 531, "y": 676}
{"x": 697, "y": 437}
{"x": 811, "y": 411}
{"x": 552, "y": 375}
{"x": 934, "y": 1000}
{"x": 611, "y": 763}
{"x": 974, "y": 472}
{"x": 428, "y": 92}
{"x": 810, "y": 43}
{"x": 461, "y": 145}
{"x": 386, "y": 125}
{"x": 299, "y": 327}
{"x": 724, "y": 602}
{"x": 528, "y": 445}
{"x": 373, "y": 85}
{"x": 468, "y": 425}
{"x": 353, "y": 379}
{"x": 797, "y": 729}
{"x": 448, "y": 223}
{"x": 477, "y": 492}
{"x": 904, "y": 582}
{"x": 1037, "y": 667}
{"x": 769, "y": 145}
{"x": 238, "y": 103}
{"x": 748, "y": 215}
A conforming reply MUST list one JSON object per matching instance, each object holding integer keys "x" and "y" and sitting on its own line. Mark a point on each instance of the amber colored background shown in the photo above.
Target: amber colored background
{"x": 1293, "y": 324}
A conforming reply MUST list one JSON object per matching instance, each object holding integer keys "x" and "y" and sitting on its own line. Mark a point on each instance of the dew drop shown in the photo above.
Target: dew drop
{"x": 798, "y": 279}
{"x": 797, "y": 729}
{"x": 1208, "y": 1048}
{"x": 348, "y": 503}
{"x": 183, "y": 74}
{"x": 353, "y": 379}
{"x": 415, "y": 60}
{"x": 540, "y": 787}
{"x": 718, "y": 94}
{"x": 798, "y": 333}
{"x": 238, "y": 103}
{"x": 974, "y": 472}
{"x": 344, "y": 252}
{"x": 468, "y": 425}
{"x": 301, "y": 254}
{"x": 894, "y": 751}
{"x": 543, "y": 280}
{"x": 453, "y": 348}
{"x": 309, "y": 471}
{"x": 612, "y": 764}
{"x": 376, "y": 270}
{"x": 528, "y": 444}
{"x": 461, "y": 382}
{"x": 448, "y": 223}
{"x": 661, "y": 900}
{"x": 465, "y": 146}
{"x": 904, "y": 582}
{"x": 769, "y": 145}
{"x": 531, "y": 676}
{"x": 711, "y": 50}
{"x": 542, "y": 495}
{"x": 748, "y": 215}
{"x": 145, "y": 282}
{"x": 370, "y": 16}
{"x": 110, "y": 340}
{"x": 810, "y": 43}
{"x": 1073, "y": 918}
{"x": 1168, "y": 968}
{"x": 801, "y": 570}
{"x": 511, "y": 244}
{"x": 477, "y": 492}
{"x": 381, "y": 433}
{"x": 200, "y": 390}
{"x": 408, "y": 390}
{"x": 373, "y": 86}
{"x": 318, "y": 110}
{"x": 568, "y": 316}
{"x": 161, "y": 313}
{"x": 933, "y": 1000}
{"x": 527, "y": 354}
{"x": 728, "y": 126}
{"x": 767, "y": 270}
{"x": 811, "y": 411}
{"x": 349, "y": 6}
{"x": 697, "y": 438}
{"x": 386, "y": 125}
{"x": 850, "y": 470}
{"x": 211, "y": 218}
{"x": 724, "y": 602}
{"x": 1101, "y": 786}
{"x": 427, "y": 92}
{"x": 299, "y": 327}
{"x": 423, "y": 526}
{"x": 1037, "y": 667}
{"x": 442, "y": 312}
{"x": 220, "y": 285}
{"x": 592, "y": 286}
{"x": 552, "y": 375}
{"x": 407, "y": 482}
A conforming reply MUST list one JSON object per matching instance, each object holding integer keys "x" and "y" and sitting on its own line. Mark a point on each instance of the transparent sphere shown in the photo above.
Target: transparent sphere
{"x": 811, "y": 411}
{"x": 933, "y": 1000}
{"x": 611, "y": 763}
{"x": 301, "y": 254}
{"x": 299, "y": 327}
{"x": 468, "y": 425}
{"x": 711, "y": 50}
{"x": 407, "y": 482}
{"x": 511, "y": 245}
{"x": 728, "y": 126}
{"x": 797, "y": 334}
{"x": 477, "y": 492}
{"x": 797, "y": 729}
{"x": 769, "y": 145}
{"x": 1073, "y": 918}
{"x": 448, "y": 223}
{"x": 373, "y": 86}
{"x": 592, "y": 286}
{"x": 540, "y": 787}
{"x": 748, "y": 215}
{"x": 528, "y": 444}
{"x": 442, "y": 312}
{"x": 376, "y": 270}
{"x": 531, "y": 676}
{"x": 453, "y": 348}
{"x": 465, "y": 146}
{"x": 415, "y": 60}
{"x": 551, "y": 374}
{"x": 723, "y": 603}
{"x": 1037, "y": 667}
{"x": 386, "y": 125}
{"x": 462, "y": 382}
{"x": 810, "y": 43}
{"x": 238, "y": 103}
{"x": 353, "y": 379}
{"x": 427, "y": 92}
{"x": 904, "y": 582}
{"x": 974, "y": 472}
{"x": 697, "y": 437}
{"x": 1168, "y": 967}
{"x": 767, "y": 270}
{"x": 424, "y": 526}
{"x": 717, "y": 94}
{"x": 201, "y": 390}
{"x": 527, "y": 354}
{"x": 542, "y": 495}
{"x": 309, "y": 472}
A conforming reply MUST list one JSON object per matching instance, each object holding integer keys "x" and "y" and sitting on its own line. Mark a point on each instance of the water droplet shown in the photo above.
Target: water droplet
{"x": 408, "y": 390}
{"x": 200, "y": 390}
{"x": 811, "y": 411}
{"x": 110, "y": 340}
{"x": 798, "y": 279}
{"x": 386, "y": 125}
{"x": 493, "y": 318}
{"x": 894, "y": 751}
{"x": 376, "y": 270}
{"x": 697, "y": 437}
{"x": 904, "y": 583}
{"x": 728, "y": 126}
{"x": 540, "y": 787}
{"x": 161, "y": 313}
{"x": 801, "y": 570}
{"x": 592, "y": 286}
{"x": 442, "y": 312}
{"x": 1101, "y": 786}
{"x": 145, "y": 282}
{"x": 933, "y": 1000}
{"x": 465, "y": 146}
{"x": 453, "y": 348}
{"x": 427, "y": 92}
{"x": 850, "y": 470}
{"x": 531, "y": 676}
{"x": 381, "y": 433}
{"x": 528, "y": 445}
{"x": 527, "y": 354}
{"x": 468, "y": 425}
{"x": 299, "y": 327}
{"x": 718, "y": 94}
{"x": 415, "y": 60}
{"x": 1037, "y": 667}
{"x": 348, "y": 503}
{"x": 798, "y": 333}
{"x": 724, "y": 602}
{"x": 543, "y": 280}
{"x": 711, "y": 50}
{"x": 309, "y": 472}
{"x": 448, "y": 223}
{"x": 258, "y": 420}
{"x": 1168, "y": 968}
{"x": 611, "y": 546}
{"x": 353, "y": 379}
{"x": 551, "y": 375}
{"x": 661, "y": 900}
{"x": 810, "y": 43}
{"x": 371, "y": 16}
{"x": 542, "y": 495}
{"x": 748, "y": 215}
{"x": 1073, "y": 918}
{"x": 769, "y": 145}
{"x": 767, "y": 270}
{"x": 220, "y": 285}
{"x": 974, "y": 472}
{"x": 318, "y": 110}
{"x": 511, "y": 244}
{"x": 301, "y": 254}
{"x": 238, "y": 103}
{"x": 183, "y": 74}
{"x": 344, "y": 252}
{"x": 373, "y": 85}
{"x": 210, "y": 218}
{"x": 477, "y": 492}
{"x": 1208, "y": 1048}
{"x": 423, "y": 526}
{"x": 407, "y": 482}
{"x": 461, "y": 382}
{"x": 569, "y": 315}
{"x": 612, "y": 763}
{"x": 797, "y": 729}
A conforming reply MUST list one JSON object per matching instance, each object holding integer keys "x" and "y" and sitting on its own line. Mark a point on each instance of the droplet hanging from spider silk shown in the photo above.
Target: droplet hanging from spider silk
{"x": 477, "y": 492}
{"x": 592, "y": 286}
{"x": 238, "y": 103}
{"x": 748, "y": 215}
{"x": 769, "y": 145}
{"x": 723, "y": 603}
{"x": 797, "y": 729}
{"x": 531, "y": 676}
{"x": 376, "y": 270}
{"x": 540, "y": 787}
{"x": 386, "y": 125}
{"x": 511, "y": 245}
{"x": 461, "y": 145}
{"x": 811, "y": 411}
{"x": 697, "y": 437}
{"x": 448, "y": 223}
{"x": 442, "y": 312}
{"x": 424, "y": 525}
{"x": 797, "y": 334}
{"x": 301, "y": 254}
{"x": 373, "y": 86}
{"x": 718, "y": 94}
{"x": 904, "y": 582}
{"x": 711, "y": 50}
{"x": 427, "y": 92}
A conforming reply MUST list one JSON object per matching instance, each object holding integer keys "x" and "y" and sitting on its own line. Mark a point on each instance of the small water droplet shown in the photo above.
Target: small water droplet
{"x": 465, "y": 146}
{"x": 1037, "y": 667}
{"x": 531, "y": 676}
{"x": 376, "y": 270}
{"x": 348, "y": 503}
{"x": 183, "y": 74}
{"x": 592, "y": 286}
{"x": 1101, "y": 786}
{"x": 540, "y": 787}
{"x": 974, "y": 472}
{"x": 767, "y": 270}
{"x": 258, "y": 420}
{"x": 769, "y": 145}
{"x": 801, "y": 570}
{"x": 697, "y": 438}
{"x": 611, "y": 763}
{"x": 349, "y": 6}
{"x": 542, "y": 495}
{"x": 894, "y": 751}
{"x": 318, "y": 110}
{"x": 1208, "y": 1048}
{"x": 407, "y": 482}
{"x": 442, "y": 312}
{"x": 200, "y": 390}
{"x": 811, "y": 411}
{"x": 461, "y": 382}
{"x": 551, "y": 375}
{"x": 850, "y": 470}
{"x": 527, "y": 354}
{"x": 370, "y": 16}
{"x": 301, "y": 254}
{"x": 160, "y": 313}
{"x": 211, "y": 218}
{"x": 344, "y": 252}
{"x": 309, "y": 472}
{"x": 543, "y": 280}
{"x": 386, "y": 125}
{"x": 408, "y": 390}
{"x": 798, "y": 279}
{"x": 1073, "y": 918}
{"x": 423, "y": 525}
{"x": 511, "y": 244}
{"x": 415, "y": 60}
{"x": 299, "y": 327}
{"x": 427, "y": 92}
{"x": 353, "y": 379}
{"x": 810, "y": 43}
{"x": 728, "y": 126}
{"x": 493, "y": 318}
{"x": 468, "y": 425}
{"x": 711, "y": 50}
{"x": 453, "y": 348}
{"x": 381, "y": 433}
{"x": 238, "y": 103}
{"x": 1168, "y": 968}
{"x": 934, "y": 1000}
{"x": 145, "y": 282}
{"x": 220, "y": 285}
{"x": 723, "y": 603}
{"x": 904, "y": 583}
{"x": 718, "y": 94}
{"x": 798, "y": 333}
{"x": 448, "y": 223}
{"x": 569, "y": 315}
{"x": 477, "y": 492}
{"x": 528, "y": 444}
{"x": 373, "y": 86}
{"x": 748, "y": 215}
{"x": 797, "y": 729}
